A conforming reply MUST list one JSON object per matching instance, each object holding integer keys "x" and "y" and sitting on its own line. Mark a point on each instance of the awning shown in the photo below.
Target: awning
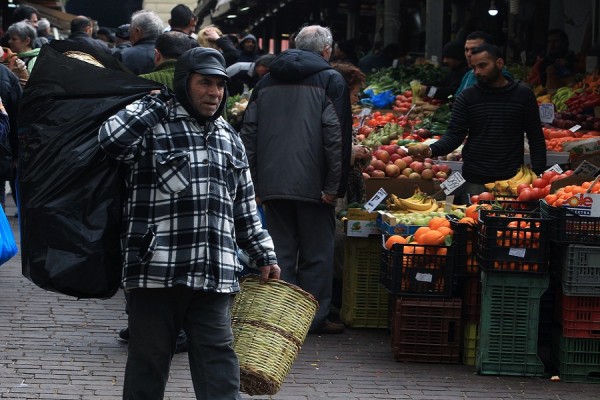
{"x": 58, "y": 18}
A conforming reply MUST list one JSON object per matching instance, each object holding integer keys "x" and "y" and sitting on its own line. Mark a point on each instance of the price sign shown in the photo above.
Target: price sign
{"x": 517, "y": 252}
{"x": 575, "y": 128}
{"x": 364, "y": 112}
{"x": 586, "y": 168}
{"x": 422, "y": 277}
{"x": 375, "y": 200}
{"x": 432, "y": 91}
{"x": 452, "y": 183}
{"x": 547, "y": 113}
{"x": 555, "y": 168}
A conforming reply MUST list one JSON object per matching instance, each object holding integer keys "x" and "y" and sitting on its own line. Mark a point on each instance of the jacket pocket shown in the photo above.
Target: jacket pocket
{"x": 234, "y": 171}
{"x": 148, "y": 245}
{"x": 173, "y": 170}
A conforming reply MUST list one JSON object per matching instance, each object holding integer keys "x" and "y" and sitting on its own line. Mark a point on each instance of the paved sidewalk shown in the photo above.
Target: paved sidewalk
{"x": 56, "y": 347}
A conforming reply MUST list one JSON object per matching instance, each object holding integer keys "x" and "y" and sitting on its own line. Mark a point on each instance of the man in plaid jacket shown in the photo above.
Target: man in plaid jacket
{"x": 190, "y": 204}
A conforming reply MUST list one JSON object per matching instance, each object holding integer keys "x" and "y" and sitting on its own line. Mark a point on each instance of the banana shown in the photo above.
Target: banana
{"x": 422, "y": 205}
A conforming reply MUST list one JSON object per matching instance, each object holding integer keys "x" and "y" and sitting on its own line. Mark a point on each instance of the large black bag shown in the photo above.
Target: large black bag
{"x": 70, "y": 193}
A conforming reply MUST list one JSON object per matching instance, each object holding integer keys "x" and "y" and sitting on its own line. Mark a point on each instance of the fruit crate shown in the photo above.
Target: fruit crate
{"x": 577, "y": 360}
{"x": 470, "y": 291}
{"x": 513, "y": 204}
{"x": 570, "y": 228}
{"x": 579, "y": 316}
{"x": 508, "y": 330}
{"x": 364, "y": 299}
{"x": 464, "y": 244}
{"x": 580, "y": 273}
{"x": 512, "y": 241}
{"x": 470, "y": 338}
{"x": 418, "y": 270}
{"x": 427, "y": 330}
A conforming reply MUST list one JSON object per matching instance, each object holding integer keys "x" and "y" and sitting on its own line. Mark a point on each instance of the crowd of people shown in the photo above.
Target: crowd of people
{"x": 194, "y": 183}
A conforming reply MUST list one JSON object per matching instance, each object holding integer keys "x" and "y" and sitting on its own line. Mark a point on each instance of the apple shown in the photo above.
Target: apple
{"x": 417, "y": 166}
{"x": 441, "y": 175}
{"x": 427, "y": 165}
{"x": 407, "y": 172}
{"x": 402, "y": 176}
{"x": 444, "y": 168}
{"x": 401, "y": 152}
{"x": 435, "y": 168}
{"x": 378, "y": 164}
{"x": 382, "y": 155}
{"x": 427, "y": 174}
{"x": 365, "y": 175}
{"x": 414, "y": 175}
{"x": 392, "y": 170}
{"x": 400, "y": 163}
{"x": 378, "y": 174}
{"x": 407, "y": 159}
{"x": 394, "y": 157}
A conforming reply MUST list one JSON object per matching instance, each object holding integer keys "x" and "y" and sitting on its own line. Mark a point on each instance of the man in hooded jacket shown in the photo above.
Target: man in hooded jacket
{"x": 190, "y": 204}
{"x": 298, "y": 135}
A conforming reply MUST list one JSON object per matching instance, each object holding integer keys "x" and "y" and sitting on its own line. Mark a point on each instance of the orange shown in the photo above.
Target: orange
{"x": 444, "y": 230}
{"x": 393, "y": 240}
{"x": 437, "y": 222}
{"x": 467, "y": 220}
{"x": 420, "y": 232}
{"x": 432, "y": 238}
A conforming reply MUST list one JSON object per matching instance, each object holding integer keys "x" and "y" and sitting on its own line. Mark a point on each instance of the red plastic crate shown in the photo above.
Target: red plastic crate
{"x": 427, "y": 330}
{"x": 579, "y": 316}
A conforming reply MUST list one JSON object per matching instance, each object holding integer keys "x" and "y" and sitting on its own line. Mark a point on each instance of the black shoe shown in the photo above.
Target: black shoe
{"x": 124, "y": 335}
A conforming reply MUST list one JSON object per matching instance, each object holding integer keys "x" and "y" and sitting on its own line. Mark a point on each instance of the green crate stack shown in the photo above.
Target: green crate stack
{"x": 364, "y": 299}
{"x": 577, "y": 360}
{"x": 508, "y": 330}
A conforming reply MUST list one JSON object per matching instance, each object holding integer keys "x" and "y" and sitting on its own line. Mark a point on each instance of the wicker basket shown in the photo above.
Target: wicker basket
{"x": 270, "y": 322}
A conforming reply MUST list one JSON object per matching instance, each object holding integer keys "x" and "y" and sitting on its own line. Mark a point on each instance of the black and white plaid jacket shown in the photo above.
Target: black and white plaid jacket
{"x": 189, "y": 199}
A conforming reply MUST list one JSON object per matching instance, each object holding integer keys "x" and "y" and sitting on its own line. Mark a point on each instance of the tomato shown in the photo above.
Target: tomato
{"x": 526, "y": 195}
{"x": 486, "y": 196}
{"x": 568, "y": 172}
{"x": 548, "y": 175}
{"x": 522, "y": 186}
{"x": 538, "y": 193}
{"x": 474, "y": 199}
{"x": 539, "y": 183}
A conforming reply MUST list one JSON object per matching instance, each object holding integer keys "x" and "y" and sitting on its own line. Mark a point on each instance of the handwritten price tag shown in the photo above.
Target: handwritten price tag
{"x": 517, "y": 252}
{"x": 555, "y": 168}
{"x": 547, "y": 113}
{"x": 586, "y": 168}
{"x": 375, "y": 200}
{"x": 452, "y": 183}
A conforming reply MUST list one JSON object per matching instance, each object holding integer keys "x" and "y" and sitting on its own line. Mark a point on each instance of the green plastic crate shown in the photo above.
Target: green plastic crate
{"x": 508, "y": 331}
{"x": 577, "y": 360}
{"x": 470, "y": 338}
{"x": 364, "y": 299}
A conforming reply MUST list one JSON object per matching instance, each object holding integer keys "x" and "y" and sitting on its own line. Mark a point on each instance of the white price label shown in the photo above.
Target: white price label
{"x": 575, "y": 128}
{"x": 364, "y": 112}
{"x": 517, "y": 252}
{"x": 555, "y": 168}
{"x": 547, "y": 113}
{"x": 375, "y": 200}
{"x": 586, "y": 168}
{"x": 424, "y": 277}
{"x": 452, "y": 183}
{"x": 432, "y": 91}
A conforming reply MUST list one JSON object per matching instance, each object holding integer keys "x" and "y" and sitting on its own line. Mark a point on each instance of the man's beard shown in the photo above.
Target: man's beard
{"x": 491, "y": 78}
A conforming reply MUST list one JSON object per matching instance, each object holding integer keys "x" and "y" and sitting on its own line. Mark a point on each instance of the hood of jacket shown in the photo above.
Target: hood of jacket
{"x": 295, "y": 65}
{"x": 205, "y": 61}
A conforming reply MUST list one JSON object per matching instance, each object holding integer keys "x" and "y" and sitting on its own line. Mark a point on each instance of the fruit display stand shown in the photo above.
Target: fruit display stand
{"x": 364, "y": 300}
{"x": 508, "y": 330}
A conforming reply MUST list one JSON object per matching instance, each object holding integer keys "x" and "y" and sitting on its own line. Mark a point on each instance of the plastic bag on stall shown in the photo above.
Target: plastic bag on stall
{"x": 8, "y": 245}
{"x": 70, "y": 193}
{"x": 383, "y": 99}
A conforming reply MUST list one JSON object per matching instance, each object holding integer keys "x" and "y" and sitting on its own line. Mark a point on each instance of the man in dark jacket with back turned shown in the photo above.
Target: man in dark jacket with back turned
{"x": 81, "y": 32}
{"x": 297, "y": 133}
{"x": 145, "y": 27}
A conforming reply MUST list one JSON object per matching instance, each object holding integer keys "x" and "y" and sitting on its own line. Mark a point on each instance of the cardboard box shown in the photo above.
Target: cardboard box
{"x": 400, "y": 187}
{"x": 361, "y": 223}
{"x": 389, "y": 225}
{"x": 583, "y": 150}
{"x": 587, "y": 205}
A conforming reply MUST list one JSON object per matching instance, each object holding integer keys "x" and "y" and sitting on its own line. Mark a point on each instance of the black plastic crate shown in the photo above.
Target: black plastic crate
{"x": 419, "y": 270}
{"x": 513, "y": 204}
{"x": 464, "y": 245}
{"x": 427, "y": 330}
{"x": 512, "y": 241}
{"x": 570, "y": 228}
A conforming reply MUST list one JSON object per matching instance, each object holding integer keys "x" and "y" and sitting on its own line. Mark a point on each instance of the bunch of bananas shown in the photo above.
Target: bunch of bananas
{"x": 560, "y": 97}
{"x": 509, "y": 187}
{"x": 419, "y": 202}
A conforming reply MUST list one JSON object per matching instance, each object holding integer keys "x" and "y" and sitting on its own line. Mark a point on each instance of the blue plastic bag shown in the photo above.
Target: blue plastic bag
{"x": 8, "y": 245}
{"x": 383, "y": 99}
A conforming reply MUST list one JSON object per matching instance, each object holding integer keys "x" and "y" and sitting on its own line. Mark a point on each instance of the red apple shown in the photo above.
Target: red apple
{"x": 435, "y": 168}
{"x": 417, "y": 166}
{"x": 392, "y": 170}
{"x": 444, "y": 168}
{"x": 378, "y": 164}
{"x": 427, "y": 174}
{"x": 401, "y": 152}
{"x": 407, "y": 171}
{"x": 378, "y": 174}
{"x": 400, "y": 163}
{"x": 407, "y": 160}
{"x": 441, "y": 175}
{"x": 365, "y": 175}
{"x": 382, "y": 155}
{"x": 427, "y": 165}
{"x": 414, "y": 175}
{"x": 394, "y": 157}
